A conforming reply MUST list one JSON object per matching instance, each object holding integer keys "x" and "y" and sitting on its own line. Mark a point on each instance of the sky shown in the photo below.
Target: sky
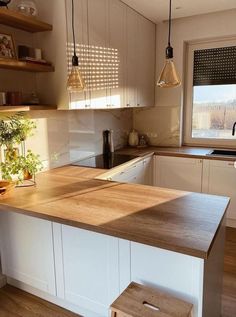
{"x": 214, "y": 93}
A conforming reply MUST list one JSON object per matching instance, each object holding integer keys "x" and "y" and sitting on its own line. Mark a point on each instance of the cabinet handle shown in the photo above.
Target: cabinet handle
{"x": 232, "y": 164}
{"x": 128, "y": 105}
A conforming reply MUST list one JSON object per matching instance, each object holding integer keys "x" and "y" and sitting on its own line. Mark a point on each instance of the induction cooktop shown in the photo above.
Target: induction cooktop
{"x": 105, "y": 161}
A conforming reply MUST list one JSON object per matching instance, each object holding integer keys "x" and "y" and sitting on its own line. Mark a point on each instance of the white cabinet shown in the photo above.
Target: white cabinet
{"x": 140, "y": 60}
{"x": 132, "y": 69}
{"x": 91, "y": 269}
{"x": 27, "y": 250}
{"x": 219, "y": 178}
{"x": 146, "y": 60}
{"x": 132, "y": 174}
{"x": 117, "y": 35}
{"x": 140, "y": 172}
{"x": 178, "y": 173}
{"x": 148, "y": 171}
{"x": 116, "y": 49}
{"x": 99, "y": 54}
{"x": 79, "y": 100}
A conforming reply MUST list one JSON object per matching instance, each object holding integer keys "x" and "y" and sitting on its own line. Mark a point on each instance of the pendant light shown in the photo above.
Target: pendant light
{"x": 75, "y": 80}
{"x": 169, "y": 77}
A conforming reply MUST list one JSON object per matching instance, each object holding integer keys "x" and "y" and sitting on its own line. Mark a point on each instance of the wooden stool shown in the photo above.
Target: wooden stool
{"x": 141, "y": 301}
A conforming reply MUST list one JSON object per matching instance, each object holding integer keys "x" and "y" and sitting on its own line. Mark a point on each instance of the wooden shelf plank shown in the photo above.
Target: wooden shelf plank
{"x": 27, "y": 108}
{"x": 23, "y": 22}
{"x": 24, "y": 66}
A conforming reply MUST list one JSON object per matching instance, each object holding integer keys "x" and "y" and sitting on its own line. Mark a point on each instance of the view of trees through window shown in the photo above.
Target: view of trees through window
{"x": 214, "y": 111}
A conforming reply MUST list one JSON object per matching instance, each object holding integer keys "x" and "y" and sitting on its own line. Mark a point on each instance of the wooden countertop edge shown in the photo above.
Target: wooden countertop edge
{"x": 175, "y": 153}
{"x": 117, "y": 234}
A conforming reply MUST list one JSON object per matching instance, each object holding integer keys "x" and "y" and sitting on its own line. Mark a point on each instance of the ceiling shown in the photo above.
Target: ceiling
{"x": 157, "y": 10}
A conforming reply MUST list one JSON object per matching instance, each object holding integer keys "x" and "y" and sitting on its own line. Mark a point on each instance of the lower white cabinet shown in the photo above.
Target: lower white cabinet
{"x": 91, "y": 269}
{"x": 148, "y": 171}
{"x": 140, "y": 172}
{"x": 27, "y": 250}
{"x": 132, "y": 174}
{"x": 178, "y": 173}
{"x": 219, "y": 178}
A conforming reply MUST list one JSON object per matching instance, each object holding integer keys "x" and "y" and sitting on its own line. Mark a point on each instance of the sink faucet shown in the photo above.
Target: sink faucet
{"x": 234, "y": 128}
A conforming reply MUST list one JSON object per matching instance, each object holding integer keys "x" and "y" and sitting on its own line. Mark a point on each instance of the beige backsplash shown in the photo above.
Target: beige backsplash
{"x": 160, "y": 124}
{"x": 65, "y": 136}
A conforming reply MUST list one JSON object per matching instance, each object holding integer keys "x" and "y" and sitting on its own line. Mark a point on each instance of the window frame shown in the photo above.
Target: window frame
{"x": 188, "y": 93}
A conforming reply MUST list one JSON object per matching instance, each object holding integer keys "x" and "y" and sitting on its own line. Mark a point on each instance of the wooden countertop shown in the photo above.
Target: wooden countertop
{"x": 174, "y": 220}
{"x": 183, "y": 151}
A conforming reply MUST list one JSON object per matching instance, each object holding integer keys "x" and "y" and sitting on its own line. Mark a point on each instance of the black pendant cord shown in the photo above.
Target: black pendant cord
{"x": 75, "y": 60}
{"x": 170, "y": 16}
{"x": 169, "y": 49}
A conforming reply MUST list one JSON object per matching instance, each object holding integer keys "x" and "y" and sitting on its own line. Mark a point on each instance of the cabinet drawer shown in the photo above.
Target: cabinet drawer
{"x": 133, "y": 172}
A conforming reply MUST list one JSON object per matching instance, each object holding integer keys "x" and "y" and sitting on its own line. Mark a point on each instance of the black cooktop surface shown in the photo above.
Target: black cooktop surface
{"x": 105, "y": 161}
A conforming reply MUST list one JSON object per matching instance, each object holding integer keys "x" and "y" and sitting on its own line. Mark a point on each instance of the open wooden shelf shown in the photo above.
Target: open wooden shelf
{"x": 23, "y": 22}
{"x": 27, "y": 108}
{"x": 24, "y": 66}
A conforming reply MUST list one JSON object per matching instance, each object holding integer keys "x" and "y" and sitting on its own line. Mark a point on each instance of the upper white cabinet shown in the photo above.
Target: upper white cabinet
{"x": 27, "y": 251}
{"x": 146, "y": 63}
{"x": 178, "y": 173}
{"x": 132, "y": 35}
{"x": 116, "y": 71}
{"x": 219, "y": 178}
{"x": 116, "y": 48}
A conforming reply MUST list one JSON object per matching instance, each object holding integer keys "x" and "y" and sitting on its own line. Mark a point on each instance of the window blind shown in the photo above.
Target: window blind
{"x": 216, "y": 66}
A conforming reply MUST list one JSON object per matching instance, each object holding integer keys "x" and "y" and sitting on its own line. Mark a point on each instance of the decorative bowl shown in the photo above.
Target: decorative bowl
{"x": 5, "y": 187}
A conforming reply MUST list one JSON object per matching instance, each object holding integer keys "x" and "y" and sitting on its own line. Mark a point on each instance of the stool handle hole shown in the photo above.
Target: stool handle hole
{"x": 151, "y": 306}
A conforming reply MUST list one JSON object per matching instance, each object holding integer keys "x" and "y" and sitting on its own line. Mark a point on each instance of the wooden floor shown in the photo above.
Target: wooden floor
{"x": 229, "y": 288}
{"x": 16, "y": 303}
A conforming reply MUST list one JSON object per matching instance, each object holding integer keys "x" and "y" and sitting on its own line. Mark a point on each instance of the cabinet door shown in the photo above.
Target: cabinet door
{"x": 132, "y": 67}
{"x": 99, "y": 53}
{"x": 91, "y": 271}
{"x": 132, "y": 174}
{"x": 27, "y": 251}
{"x": 219, "y": 178}
{"x": 146, "y": 62}
{"x": 79, "y": 100}
{"x": 178, "y": 173}
{"x": 148, "y": 171}
{"x": 117, "y": 14}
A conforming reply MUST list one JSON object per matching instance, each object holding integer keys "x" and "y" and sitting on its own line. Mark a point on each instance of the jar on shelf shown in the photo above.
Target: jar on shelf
{"x": 27, "y": 7}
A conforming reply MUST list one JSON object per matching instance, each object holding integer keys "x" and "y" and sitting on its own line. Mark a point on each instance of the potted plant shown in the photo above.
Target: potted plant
{"x": 30, "y": 165}
{"x": 22, "y": 168}
{"x": 15, "y": 130}
{"x": 7, "y": 138}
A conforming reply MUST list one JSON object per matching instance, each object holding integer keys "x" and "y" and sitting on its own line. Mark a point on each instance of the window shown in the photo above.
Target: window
{"x": 210, "y": 103}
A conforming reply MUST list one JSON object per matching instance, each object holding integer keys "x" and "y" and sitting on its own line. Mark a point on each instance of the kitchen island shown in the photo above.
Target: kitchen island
{"x": 79, "y": 241}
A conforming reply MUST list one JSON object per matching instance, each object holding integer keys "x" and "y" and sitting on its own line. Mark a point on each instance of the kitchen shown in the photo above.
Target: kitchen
{"x": 100, "y": 215}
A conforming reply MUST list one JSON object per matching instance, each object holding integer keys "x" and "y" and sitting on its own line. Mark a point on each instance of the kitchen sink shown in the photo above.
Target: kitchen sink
{"x": 223, "y": 153}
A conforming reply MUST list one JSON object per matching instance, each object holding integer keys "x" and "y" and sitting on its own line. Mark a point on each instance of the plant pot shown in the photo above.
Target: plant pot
{"x": 11, "y": 154}
{"x": 27, "y": 176}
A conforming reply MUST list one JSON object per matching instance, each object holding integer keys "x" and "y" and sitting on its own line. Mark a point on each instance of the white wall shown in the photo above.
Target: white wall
{"x": 163, "y": 122}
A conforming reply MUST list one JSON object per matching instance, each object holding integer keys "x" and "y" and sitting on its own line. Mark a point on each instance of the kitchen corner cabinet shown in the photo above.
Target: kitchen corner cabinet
{"x": 27, "y": 252}
{"x": 178, "y": 173}
{"x": 117, "y": 69}
{"x": 219, "y": 178}
{"x": 140, "y": 172}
